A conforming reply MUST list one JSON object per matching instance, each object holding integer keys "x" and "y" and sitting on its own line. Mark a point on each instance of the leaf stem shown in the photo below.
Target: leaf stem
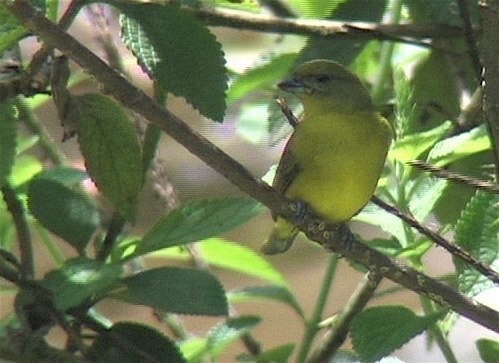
{"x": 311, "y": 327}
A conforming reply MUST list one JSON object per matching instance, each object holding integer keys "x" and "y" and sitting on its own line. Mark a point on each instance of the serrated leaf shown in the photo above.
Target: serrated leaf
{"x": 477, "y": 231}
{"x": 410, "y": 147}
{"x": 230, "y": 255}
{"x": 79, "y": 280}
{"x": 460, "y": 146}
{"x": 489, "y": 350}
{"x": 185, "y": 59}
{"x": 198, "y": 220}
{"x": 378, "y": 331}
{"x": 64, "y": 212}
{"x": 271, "y": 292}
{"x": 178, "y": 290}
{"x": 262, "y": 76}
{"x": 111, "y": 151}
{"x": 8, "y": 134}
{"x": 226, "y": 333}
{"x": 132, "y": 342}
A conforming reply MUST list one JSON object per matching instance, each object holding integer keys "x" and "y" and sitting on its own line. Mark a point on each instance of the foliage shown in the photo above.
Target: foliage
{"x": 105, "y": 262}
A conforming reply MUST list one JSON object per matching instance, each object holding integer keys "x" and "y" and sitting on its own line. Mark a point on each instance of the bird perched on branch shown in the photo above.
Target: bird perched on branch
{"x": 334, "y": 158}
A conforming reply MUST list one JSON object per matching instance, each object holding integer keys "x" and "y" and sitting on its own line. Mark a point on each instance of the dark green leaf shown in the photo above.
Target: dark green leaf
{"x": 489, "y": 350}
{"x": 129, "y": 342}
{"x": 226, "y": 333}
{"x": 178, "y": 290}
{"x": 477, "y": 231}
{"x": 378, "y": 331}
{"x": 185, "y": 58}
{"x": 79, "y": 280}
{"x": 111, "y": 151}
{"x": 198, "y": 220}
{"x": 8, "y": 134}
{"x": 64, "y": 175}
{"x": 64, "y": 212}
{"x": 272, "y": 292}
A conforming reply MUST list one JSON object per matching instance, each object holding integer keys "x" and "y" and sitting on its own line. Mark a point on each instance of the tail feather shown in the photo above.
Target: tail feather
{"x": 281, "y": 238}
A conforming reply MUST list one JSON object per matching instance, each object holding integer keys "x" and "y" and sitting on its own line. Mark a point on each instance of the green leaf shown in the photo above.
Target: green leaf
{"x": 460, "y": 146}
{"x": 263, "y": 76}
{"x": 316, "y": 8}
{"x": 378, "y": 331}
{"x": 477, "y": 231}
{"x": 193, "y": 349}
{"x": 198, "y": 220}
{"x": 410, "y": 147}
{"x": 489, "y": 350}
{"x": 229, "y": 255}
{"x": 64, "y": 212}
{"x": 178, "y": 290}
{"x": 111, "y": 150}
{"x": 10, "y": 30}
{"x": 8, "y": 134}
{"x": 185, "y": 58}
{"x": 226, "y": 333}
{"x": 127, "y": 342}
{"x": 280, "y": 354}
{"x": 79, "y": 280}
{"x": 424, "y": 193}
{"x": 271, "y": 292}
{"x": 64, "y": 175}
{"x": 25, "y": 167}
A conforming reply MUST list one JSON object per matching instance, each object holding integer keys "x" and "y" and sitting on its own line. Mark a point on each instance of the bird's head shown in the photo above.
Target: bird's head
{"x": 328, "y": 83}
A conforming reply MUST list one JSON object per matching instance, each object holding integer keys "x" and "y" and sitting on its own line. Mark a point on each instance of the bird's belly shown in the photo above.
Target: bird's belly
{"x": 337, "y": 180}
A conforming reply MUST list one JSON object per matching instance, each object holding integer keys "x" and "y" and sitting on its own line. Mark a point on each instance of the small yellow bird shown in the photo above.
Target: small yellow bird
{"x": 334, "y": 158}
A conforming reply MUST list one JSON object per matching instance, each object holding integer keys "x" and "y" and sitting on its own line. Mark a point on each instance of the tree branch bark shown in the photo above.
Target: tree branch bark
{"x": 138, "y": 101}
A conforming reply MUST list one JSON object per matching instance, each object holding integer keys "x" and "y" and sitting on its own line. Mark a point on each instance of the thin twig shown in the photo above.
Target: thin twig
{"x": 338, "y": 331}
{"x": 455, "y": 250}
{"x": 16, "y": 209}
{"x": 122, "y": 90}
{"x": 456, "y": 177}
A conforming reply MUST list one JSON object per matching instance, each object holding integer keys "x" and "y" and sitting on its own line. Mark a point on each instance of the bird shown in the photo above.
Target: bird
{"x": 334, "y": 158}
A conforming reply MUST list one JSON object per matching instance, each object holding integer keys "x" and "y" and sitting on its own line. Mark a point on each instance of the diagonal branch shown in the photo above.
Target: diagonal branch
{"x": 138, "y": 101}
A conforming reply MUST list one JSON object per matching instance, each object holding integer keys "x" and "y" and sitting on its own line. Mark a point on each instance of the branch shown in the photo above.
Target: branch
{"x": 138, "y": 101}
{"x": 489, "y": 49}
{"x": 322, "y": 28}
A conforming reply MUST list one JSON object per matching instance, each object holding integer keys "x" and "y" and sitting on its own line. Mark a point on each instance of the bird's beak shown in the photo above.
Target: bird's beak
{"x": 292, "y": 85}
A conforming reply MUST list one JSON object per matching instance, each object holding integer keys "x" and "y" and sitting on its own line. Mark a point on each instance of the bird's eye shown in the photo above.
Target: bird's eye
{"x": 323, "y": 78}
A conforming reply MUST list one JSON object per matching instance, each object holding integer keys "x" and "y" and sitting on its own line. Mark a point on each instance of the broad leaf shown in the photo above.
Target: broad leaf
{"x": 131, "y": 342}
{"x": 63, "y": 211}
{"x": 198, "y": 220}
{"x": 226, "y": 333}
{"x": 79, "y": 280}
{"x": 178, "y": 52}
{"x": 230, "y": 255}
{"x": 177, "y": 290}
{"x": 378, "y": 331}
{"x": 489, "y": 350}
{"x": 111, "y": 150}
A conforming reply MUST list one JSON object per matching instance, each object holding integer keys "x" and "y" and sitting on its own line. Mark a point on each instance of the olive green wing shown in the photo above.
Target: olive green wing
{"x": 286, "y": 171}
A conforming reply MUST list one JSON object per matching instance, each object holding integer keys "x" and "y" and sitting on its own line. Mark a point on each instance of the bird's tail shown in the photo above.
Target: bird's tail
{"x": 281, "y": 238}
